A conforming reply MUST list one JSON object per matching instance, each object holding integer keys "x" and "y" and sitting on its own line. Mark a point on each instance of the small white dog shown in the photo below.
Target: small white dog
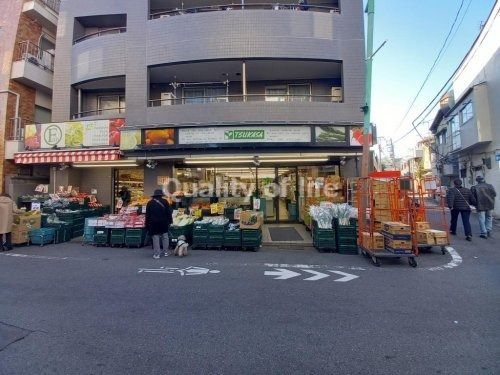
{"x": 181, "y": 249}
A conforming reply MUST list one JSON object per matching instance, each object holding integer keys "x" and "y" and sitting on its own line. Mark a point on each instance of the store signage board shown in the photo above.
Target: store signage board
{"x": 264, "y": 134}
{"x": 53, "y": 135}
{"x": 73, "y": 134}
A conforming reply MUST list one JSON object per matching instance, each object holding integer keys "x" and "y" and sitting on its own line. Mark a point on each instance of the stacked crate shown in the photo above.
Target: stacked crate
{"x": 347, "y": 237}
{"x": 381, "y": 200}
{"x": 251, "y": 238}
{"x": 135, "y": 237}
{"x": 42, "y": 236}
{"x": 62, "y": 231}
{"x": 200, "y": 234}
{"x": 117, "y": 237}
{"x": 232, "y": 239}
{"x": 216, "y": 235}
{"x": 75, "y": 219}
{"x": 375, "y": 242}
{"x": 101, "y": 236}
{"x": 397, "y": 237}
{"x": 323, "y": 239}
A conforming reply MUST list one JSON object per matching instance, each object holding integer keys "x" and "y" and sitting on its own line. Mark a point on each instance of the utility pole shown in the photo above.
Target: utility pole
{"x": 365, "y": 164}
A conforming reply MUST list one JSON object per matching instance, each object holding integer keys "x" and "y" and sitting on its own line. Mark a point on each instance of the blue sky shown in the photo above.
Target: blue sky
{"x": 416, "y": 31}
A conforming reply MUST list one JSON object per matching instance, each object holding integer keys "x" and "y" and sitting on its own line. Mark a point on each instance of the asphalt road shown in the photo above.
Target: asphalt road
{"x": 69, "y": 309}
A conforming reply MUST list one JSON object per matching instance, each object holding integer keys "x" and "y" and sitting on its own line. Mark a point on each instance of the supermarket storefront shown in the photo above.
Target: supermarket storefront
{"x": 278, "y": 170}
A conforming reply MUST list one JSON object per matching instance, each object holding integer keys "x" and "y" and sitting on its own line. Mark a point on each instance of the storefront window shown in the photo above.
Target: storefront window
{"x": 133, "y": 180}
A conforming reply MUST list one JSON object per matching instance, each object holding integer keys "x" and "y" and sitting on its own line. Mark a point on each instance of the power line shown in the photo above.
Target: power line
{"x": 433, "y": 66}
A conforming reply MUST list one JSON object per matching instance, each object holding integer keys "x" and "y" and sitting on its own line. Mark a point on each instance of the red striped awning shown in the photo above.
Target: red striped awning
{"x": 66, "y": 156}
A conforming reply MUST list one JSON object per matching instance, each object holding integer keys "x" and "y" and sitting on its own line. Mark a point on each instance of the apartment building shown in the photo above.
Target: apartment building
{"x": 28, "y": 38}
{"x": 467, "y": 125}
{"x": 205, "y": 91}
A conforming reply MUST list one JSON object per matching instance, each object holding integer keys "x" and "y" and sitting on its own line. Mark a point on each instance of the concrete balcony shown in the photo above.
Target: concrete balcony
{"x": 33, "y": 67}
{"x": 44, "y": 12}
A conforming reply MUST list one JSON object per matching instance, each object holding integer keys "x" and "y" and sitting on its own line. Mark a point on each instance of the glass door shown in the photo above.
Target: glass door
{"x": 286, "y": 201}
{"x": 267, "y": 191}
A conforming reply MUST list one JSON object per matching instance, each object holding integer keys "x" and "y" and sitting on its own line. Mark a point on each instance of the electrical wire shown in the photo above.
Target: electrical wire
{"x": 432, "y": 67}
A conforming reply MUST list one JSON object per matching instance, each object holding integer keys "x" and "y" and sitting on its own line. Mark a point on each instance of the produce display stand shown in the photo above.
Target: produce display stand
{"x": 379, "y": 195}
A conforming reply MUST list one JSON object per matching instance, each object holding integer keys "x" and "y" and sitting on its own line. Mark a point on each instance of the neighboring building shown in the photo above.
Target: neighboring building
{"x": 209, "y": 92}
{"x": 27, "y": 44}
{"x": 420, "y": 163}
{"x": 467, "y": 125}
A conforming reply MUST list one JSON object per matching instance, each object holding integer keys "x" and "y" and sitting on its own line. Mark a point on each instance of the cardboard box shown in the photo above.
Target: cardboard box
{"x": 424, "y": 237}
{"x": 441, "y": 241}
{"x": 438, "y": 233}
{"x": 373, "y": 243}
{"x": 377, "y": 226}
{"x": 20, "y": 234}
{"x": 398, "y": 244}
{"x": 422, "y": 225}
{"x": 246, "y": 217}
{"x": 396, "y": 227}
{"x": 33, "y": 221}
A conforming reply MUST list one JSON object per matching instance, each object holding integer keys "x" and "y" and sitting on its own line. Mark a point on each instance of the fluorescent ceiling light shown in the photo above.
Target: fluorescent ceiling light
{"x": 105, "y": 165}
{"x": 249, "y": 161}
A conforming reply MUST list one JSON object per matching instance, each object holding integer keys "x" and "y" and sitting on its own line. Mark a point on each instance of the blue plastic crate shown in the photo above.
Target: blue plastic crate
{"x": 42, "y": 236}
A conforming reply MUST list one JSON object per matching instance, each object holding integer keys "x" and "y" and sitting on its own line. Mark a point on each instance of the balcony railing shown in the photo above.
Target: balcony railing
{"x": 99, "y": 112}
{"x": 16, "y": 128}
{"x": 231, "y": 6}
{"x": 244, "y": 98}
{"x": 114, "y": 30}
{"x": 52, "y": 4}
{"x": 33, "y": 54}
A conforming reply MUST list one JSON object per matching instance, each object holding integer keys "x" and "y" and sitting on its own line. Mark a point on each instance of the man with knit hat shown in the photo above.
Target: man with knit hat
{"x": 484, "y": 195}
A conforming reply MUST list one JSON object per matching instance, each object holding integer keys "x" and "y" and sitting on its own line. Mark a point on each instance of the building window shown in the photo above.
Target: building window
{"x": 467, "y": 112}
{"x": 42, "y": 115}
{"x": 455, "y": 133}
{"x": 110, "y": 104}
{"x": 300, "y": 93}
{"x": 276, "y": 94}
{"x": 441, "y": 138}
{"x": 205, "y": 95}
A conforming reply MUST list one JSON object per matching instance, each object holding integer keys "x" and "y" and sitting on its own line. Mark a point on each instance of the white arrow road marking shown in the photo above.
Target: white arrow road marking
{"x": 188, "y": 271}
{"x": 282, "y": 274}
{"x": 347, "y": 276}
{"x": 319, "y": 275}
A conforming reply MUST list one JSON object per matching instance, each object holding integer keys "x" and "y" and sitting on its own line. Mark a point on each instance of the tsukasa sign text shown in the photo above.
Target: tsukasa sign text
{"x": 221, "y": 134}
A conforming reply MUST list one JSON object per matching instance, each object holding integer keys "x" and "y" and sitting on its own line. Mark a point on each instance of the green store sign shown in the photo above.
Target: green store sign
{"x": 250, "y": 134}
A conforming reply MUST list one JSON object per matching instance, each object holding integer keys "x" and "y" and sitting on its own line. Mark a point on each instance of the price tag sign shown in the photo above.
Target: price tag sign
{"x": 36, "y": 206}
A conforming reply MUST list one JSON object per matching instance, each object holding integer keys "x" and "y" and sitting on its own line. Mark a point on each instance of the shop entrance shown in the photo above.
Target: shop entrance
{"x": 278, "y": 192}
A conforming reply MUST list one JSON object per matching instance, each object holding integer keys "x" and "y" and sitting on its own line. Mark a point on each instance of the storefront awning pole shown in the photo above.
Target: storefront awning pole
{"x": 365, "y": 165}
{"x": 244, "y": 80}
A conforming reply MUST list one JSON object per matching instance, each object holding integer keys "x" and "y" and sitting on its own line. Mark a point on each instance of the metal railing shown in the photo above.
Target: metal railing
{"x": 30, "y": 52}
{"x": 232, "y": 6}
{"x": 15, "y": 132}
{"x": 114, "y": 30}
{"x": 52, "y": 4}
{"x": 99, "y": 112}
{"x": 244, "y": 98}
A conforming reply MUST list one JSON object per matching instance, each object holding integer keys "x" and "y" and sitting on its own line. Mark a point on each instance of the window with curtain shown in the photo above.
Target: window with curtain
{"x": 111, "y": 104}
{"x": 299, "y": 93}
{"x": 193, "y": 95}
{"x": 216, "y": 94}
{"x": 276, "y": 94}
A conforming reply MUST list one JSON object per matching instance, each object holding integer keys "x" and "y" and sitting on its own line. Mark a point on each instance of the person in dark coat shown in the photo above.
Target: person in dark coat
{"x": 484, "y": 194}
{"x": 459, "y": 200}
{"x": 125, "y": 196}
{"x": 158, "y": 221}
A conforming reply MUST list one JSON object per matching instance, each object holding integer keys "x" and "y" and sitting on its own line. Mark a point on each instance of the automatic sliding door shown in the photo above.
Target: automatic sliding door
{"x": 286, "y": 200}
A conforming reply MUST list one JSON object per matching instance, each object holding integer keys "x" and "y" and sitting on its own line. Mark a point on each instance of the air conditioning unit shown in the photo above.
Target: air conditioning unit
{"x": 337, "y": 96}
{"x": 167, "y": 98}
{"x": 31, "y": 58}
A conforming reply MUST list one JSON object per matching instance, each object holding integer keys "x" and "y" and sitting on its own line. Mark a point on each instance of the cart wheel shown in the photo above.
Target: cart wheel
{"x": 365, "y": 254}
{"x": 443, "y": 250}
{"x": 412, "y": 262}
{"x": 375, "y": 261}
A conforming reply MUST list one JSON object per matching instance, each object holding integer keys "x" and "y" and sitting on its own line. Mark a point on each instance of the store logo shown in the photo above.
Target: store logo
{"x": 52, "y": 135}
{"x": 244, "y": 134}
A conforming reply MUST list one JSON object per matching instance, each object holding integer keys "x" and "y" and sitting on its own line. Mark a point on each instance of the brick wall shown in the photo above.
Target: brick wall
{"x": 27, "y": 30}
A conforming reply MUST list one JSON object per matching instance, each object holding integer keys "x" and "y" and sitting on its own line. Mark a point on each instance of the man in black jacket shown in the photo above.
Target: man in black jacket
{"x": 484, "y": 194}
{"x": 459, "y": 200}
{"x": 158, "y": 220}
